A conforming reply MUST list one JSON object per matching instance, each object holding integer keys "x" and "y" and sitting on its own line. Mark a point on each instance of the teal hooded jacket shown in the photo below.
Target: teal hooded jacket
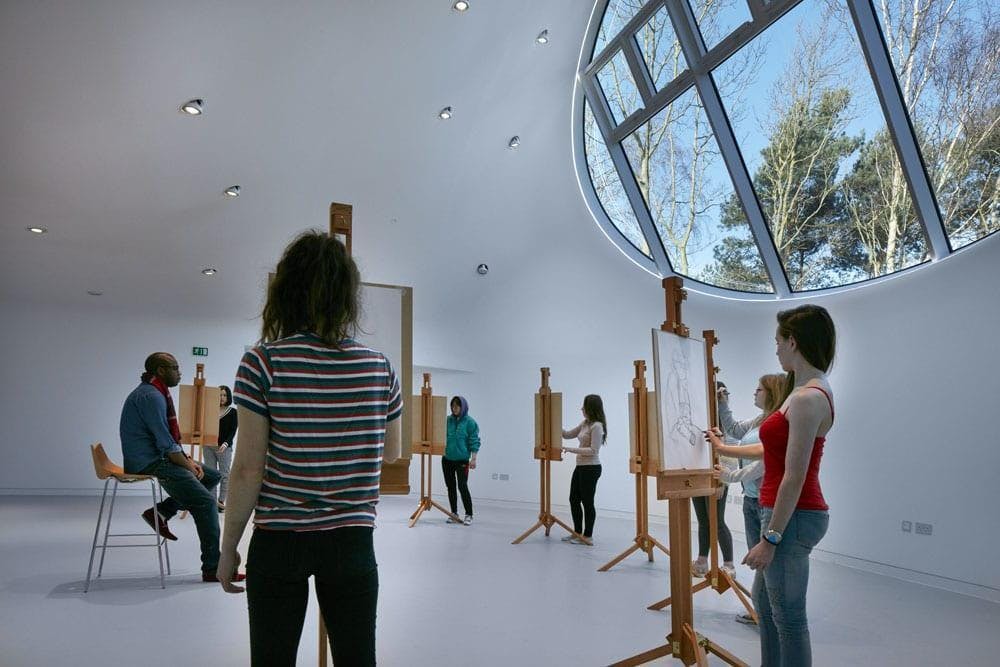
{"x": 463, "y": 434}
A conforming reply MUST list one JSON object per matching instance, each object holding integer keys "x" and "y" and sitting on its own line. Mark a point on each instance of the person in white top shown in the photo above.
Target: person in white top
{"x": 592, "y": 433}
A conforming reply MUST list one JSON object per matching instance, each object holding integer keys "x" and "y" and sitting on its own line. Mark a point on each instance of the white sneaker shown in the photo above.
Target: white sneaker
{"x": 570, "y": 538}
{"x": 745, "y": 619}
{"x": 699, "y": 569}
{"x": 731, "y": 570}
{"x": 452, "y": 519}
{"x": 468, "y": 520}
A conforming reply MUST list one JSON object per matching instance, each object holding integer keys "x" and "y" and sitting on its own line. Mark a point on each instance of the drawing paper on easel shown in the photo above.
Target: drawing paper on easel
{"x": 681, "y": 386}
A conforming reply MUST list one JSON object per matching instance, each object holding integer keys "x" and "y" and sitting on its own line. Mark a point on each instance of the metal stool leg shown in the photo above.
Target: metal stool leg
{"x": 166, "y": 544}
{"x": 158, "y": 540}
{"x": 97, "y": 531}
{"x": 107, "y": 528}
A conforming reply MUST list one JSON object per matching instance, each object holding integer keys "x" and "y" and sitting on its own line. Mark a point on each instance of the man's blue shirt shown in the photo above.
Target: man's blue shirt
{"x": 144, "y": 431}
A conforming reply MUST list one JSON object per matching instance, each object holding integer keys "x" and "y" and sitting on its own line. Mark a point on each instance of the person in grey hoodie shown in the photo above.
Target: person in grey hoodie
{"x": 460, "y": 456}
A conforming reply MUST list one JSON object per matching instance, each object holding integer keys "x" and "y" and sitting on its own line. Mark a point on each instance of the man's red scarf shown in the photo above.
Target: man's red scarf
{"x": 172, "y": 424}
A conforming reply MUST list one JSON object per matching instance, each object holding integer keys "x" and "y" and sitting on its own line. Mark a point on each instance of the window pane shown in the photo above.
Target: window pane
{"x": 619, "y": 88}
{"x": 608, "y": 185}
{"x": 617, "y": 14}
{"x": 718, "y": 18}
{"x": 822, "y": 162}
{"x": 660, "y": 49}
{"x": 946, "y": 60}
{"x": 684, "y": 182}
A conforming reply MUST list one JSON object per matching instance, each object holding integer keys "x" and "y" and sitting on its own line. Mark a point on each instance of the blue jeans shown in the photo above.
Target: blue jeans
{"x": 187, "y": 492}
{"x": 779, "y": 590}
{"x": 751, "y": 520}
{"x": 342, "y": 562}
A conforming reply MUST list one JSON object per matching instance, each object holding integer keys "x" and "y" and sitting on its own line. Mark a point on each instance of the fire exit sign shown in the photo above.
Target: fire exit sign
{"x": 199, "y": 351}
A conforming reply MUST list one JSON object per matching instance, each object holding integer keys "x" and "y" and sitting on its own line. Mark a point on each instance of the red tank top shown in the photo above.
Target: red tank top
{"x": 774, "y": 437}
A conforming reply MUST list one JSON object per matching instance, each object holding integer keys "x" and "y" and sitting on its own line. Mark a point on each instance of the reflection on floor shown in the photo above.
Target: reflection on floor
{"x": 450, "y": 595}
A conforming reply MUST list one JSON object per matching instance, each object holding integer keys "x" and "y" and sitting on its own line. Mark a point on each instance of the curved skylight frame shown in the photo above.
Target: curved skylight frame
{"x": 701, "y": 62}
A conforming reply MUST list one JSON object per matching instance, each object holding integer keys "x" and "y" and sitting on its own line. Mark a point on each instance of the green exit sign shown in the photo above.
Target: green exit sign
{"x": 199, "y": 351}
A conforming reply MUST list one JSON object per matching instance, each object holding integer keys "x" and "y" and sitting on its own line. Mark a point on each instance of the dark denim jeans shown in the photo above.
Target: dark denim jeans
{"x": 187, "y": 492}
{"x": 779, "y": 590}
{"x": 751, "y": 520}
{"x": 279, "y": 565}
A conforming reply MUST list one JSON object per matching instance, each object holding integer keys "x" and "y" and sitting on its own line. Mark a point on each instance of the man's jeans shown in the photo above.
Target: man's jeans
{"x": 187, "y": 492}
{"x": 779, "y": 590}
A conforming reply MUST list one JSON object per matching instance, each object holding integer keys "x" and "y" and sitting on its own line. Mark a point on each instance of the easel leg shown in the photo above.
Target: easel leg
{"x": 322, "y": 642}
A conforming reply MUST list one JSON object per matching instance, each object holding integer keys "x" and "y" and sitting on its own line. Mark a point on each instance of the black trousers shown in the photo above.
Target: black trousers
{"x": 456, "y": 474}
{"x": 342, "y": 563}
{"x": 582, "y": 488}
{"x": 725, "y": 537}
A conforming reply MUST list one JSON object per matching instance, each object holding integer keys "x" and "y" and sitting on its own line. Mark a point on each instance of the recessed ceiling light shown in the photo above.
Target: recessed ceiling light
{"x": 445, "y": 113}
{"x": 514, "y": 142}
{"x": 193, "y": 107}
{"x": 37, "y": 230}
{"x": 460, "y": 6}
{"x": 94, "y": 292}
{"x": 209, "y": 271}
{"x": 543, "y": 37}
{"x": 232, "y": 191}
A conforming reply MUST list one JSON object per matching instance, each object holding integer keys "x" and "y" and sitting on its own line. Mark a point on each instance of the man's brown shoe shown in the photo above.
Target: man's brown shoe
{"x": 147, "y": 516}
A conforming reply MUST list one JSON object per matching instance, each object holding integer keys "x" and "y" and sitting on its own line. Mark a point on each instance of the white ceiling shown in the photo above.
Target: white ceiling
{"x": 306, "y": 103}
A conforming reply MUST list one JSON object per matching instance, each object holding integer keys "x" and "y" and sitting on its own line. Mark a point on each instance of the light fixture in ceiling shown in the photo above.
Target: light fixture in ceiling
{"x": 38, "y": 230}
{"x": 482, "y": 269}
{"x": 193, "y": 107}
{"x": 543, "y": 37}
{"x": 95, "y": 292}
{"x": 233, "y": 191}
{"x": 209, "y": 271}
{"x": 445, "y": 113}
{"x": 514, "y": 142}
{"x": 460, "y": 5}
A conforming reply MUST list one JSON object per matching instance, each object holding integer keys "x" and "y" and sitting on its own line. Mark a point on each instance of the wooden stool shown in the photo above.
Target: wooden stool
{"x": 109, "y": 471}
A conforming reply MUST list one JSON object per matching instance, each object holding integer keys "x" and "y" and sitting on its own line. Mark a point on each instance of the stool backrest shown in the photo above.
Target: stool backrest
{"x": 103, "y": 466}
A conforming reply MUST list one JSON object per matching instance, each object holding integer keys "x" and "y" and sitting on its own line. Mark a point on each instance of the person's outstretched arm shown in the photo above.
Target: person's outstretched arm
{"x": 245, "y": 480}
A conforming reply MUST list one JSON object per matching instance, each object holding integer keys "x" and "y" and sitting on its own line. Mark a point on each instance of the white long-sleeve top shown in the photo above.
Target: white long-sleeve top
{"x": 591, "y": 437}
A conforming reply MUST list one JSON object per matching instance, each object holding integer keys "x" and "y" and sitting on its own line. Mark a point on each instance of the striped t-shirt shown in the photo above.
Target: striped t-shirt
{"x": 328, "y": 410}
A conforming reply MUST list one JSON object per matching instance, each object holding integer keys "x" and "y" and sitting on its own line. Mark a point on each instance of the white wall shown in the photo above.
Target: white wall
{"x": 65, "y": 374}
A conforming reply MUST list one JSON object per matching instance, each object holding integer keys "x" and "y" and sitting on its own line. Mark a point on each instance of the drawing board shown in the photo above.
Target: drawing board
{"x": 439, "y": 425}
{"x": 682, "y": 412}
{"x": 555, "y": 431}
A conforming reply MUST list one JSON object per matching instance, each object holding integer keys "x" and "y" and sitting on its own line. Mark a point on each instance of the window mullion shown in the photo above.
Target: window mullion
{"x": 898, "y": 121}
{"x": 694, "y": 50}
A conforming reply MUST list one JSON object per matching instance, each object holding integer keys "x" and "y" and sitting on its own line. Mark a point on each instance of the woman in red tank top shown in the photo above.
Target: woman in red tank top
{"x": 794, "y": 514}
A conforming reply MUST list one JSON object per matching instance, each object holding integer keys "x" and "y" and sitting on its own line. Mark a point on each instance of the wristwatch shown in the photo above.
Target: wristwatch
{"x": 773, "y": 536}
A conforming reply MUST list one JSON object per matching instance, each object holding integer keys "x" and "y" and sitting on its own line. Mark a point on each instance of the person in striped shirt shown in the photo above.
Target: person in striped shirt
{"x": 318, "y": 414}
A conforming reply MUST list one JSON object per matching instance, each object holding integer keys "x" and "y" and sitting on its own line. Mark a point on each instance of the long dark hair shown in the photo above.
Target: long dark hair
{"x": 228, "y": 392}
{"x": 593, "y": 410}
{"x": 316, "y": 289}
{"x": 815, "y": 336}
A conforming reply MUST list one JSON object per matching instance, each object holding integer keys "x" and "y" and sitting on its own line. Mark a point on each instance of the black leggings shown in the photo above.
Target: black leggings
{"x": 457, "y": 471}
{"x": 582, "y": 488}
{"x": 342, "y": 564}
{"x": 725, "y": 537}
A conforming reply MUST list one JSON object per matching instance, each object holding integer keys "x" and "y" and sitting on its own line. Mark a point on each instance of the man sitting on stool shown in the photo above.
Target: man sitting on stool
{"x": 151, "y": 439}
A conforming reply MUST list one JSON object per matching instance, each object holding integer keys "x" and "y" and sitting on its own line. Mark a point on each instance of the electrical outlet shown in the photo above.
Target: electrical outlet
{"x": 504, "y": 477}
{"x": 907, "y": 526}
{"x": 924, "y": 528}
{"x": 494, "y": 476}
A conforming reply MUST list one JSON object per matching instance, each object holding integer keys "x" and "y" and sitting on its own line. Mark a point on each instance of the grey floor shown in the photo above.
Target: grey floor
{"x": 450, "y": 595}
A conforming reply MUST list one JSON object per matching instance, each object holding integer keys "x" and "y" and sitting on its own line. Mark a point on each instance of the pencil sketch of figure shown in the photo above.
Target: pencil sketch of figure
{"x": 679, "y": 371}
{"x": 681, "y": 385}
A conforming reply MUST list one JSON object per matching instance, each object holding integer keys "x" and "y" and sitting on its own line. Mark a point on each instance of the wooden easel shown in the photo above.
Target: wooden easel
{"x": 546, "y": 451}
{"x": 427, "y": 445}
{"x": 716, "y": 578}
{"x": 198, "y": 417}
{"x": 640, "y": 428}
{"x": 678, "y": 487}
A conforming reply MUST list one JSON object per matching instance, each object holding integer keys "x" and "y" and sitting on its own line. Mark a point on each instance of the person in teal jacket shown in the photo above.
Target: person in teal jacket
{"x": 460, "y": 456}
